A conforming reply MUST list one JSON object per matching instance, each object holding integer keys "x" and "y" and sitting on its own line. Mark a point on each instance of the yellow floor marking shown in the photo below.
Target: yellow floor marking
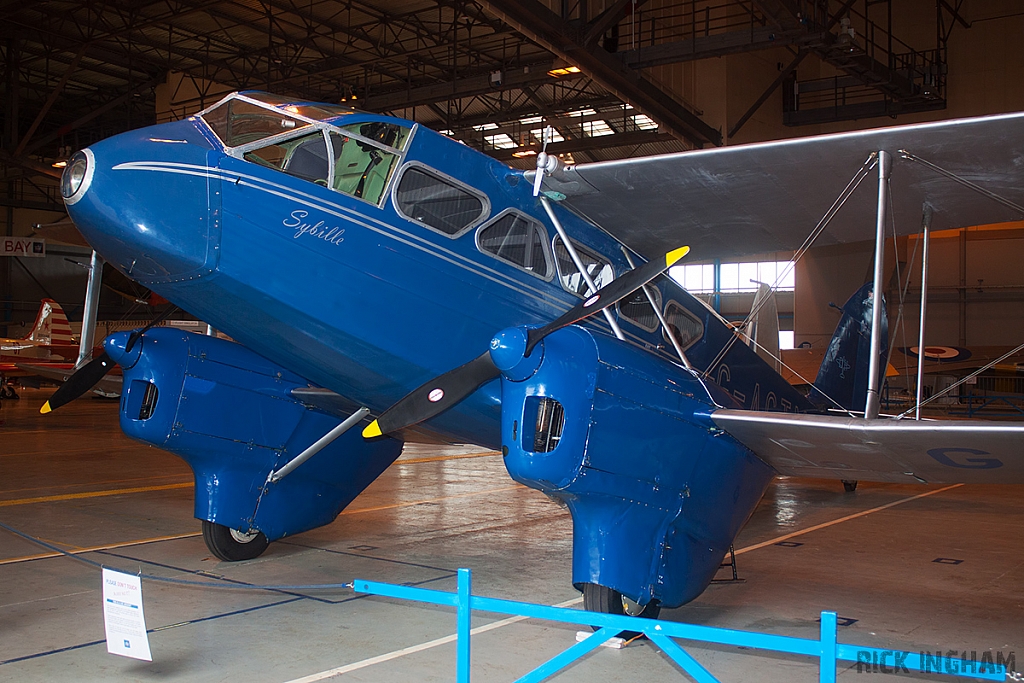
{"x": 847, "y": 518}
{"x": 431, "y": 500}
{"x": 90, "y": 483}
{"x": 97, "y": 548}
{"x": 93, "y": 494}
{"x": 438, "y": 458}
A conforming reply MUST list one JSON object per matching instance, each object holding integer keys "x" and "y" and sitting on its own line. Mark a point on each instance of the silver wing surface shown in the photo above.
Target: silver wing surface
{"x": 764, "y": 197}
{"x": 824, "y": 446}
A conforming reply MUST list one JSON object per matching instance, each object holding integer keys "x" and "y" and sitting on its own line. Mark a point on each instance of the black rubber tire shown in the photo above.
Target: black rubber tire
{"x": 849, "y": 485}
{"x": 227, "y": 547}
{"x": 597, "y": 598}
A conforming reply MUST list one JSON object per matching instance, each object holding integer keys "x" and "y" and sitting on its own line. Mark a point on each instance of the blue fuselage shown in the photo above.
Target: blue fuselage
{"x": 354, "y": 296}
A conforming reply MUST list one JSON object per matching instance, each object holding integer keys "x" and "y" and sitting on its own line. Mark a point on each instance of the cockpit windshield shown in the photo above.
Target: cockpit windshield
{"x": 355, "y": 158}
{"x": 244, "y": 118}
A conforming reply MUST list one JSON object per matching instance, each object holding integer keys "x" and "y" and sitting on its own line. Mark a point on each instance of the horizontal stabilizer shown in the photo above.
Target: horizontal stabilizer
{"x": 908, "y": 451}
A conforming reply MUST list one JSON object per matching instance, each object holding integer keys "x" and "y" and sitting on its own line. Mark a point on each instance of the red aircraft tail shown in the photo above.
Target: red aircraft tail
{"x": 51, "y": 326}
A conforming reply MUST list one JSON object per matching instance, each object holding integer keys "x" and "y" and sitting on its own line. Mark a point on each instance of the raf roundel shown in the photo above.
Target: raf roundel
{"x": 435, "y": 395}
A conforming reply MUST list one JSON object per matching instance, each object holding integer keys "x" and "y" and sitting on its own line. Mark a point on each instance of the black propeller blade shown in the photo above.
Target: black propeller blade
{"x": 443, "y": 392}
{"x": 86, "y": 377}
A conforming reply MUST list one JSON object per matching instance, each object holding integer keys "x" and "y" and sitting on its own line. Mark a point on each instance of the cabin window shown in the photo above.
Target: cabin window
{"x": 237, "y": 122}
{"x": 304, "y": 157}
{"x": 519, "y": 240}
{"x": 685, "y": 326}
{"x": 436, "y": 202}
{"x": 362, "y": 169}
{"x": 637, "y": 309}
{"x": 598, "y": 267}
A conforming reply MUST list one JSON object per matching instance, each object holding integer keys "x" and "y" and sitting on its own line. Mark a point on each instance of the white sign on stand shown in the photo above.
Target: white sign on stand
{"x": 123, "y": 618}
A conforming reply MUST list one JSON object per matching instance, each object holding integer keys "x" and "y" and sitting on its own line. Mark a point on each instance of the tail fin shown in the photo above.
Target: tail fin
{"x": 764, "y": 327}
{"x": 51, "y": 325}
{"x": 843, "y": 376}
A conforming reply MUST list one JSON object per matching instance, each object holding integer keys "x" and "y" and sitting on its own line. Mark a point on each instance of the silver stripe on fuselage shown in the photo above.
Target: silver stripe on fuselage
{"x": 387, "y": 230}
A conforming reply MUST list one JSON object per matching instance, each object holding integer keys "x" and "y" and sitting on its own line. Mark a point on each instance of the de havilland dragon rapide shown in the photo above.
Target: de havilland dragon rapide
{"x": 384, "y": 283}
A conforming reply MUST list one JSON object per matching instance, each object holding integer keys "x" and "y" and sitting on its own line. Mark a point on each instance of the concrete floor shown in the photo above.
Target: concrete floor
{"x": 73, "y": 479}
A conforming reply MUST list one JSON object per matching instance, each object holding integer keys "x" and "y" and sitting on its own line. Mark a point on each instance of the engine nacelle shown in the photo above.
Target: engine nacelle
{"x": 229, "y": 414}
{"x": 657, "y": 493}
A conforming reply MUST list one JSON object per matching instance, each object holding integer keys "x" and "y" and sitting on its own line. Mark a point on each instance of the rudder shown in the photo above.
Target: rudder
{"x": 843, "y": 376}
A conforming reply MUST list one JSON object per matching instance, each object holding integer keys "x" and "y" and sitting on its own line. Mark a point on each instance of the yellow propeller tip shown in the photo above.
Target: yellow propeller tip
{"x": 676, "y": 254}
{"x": 46, "y": 408}
{"x": 372, "y": 430}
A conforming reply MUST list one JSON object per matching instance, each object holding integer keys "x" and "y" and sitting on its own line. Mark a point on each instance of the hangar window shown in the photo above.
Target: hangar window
{"x": 637, "y": 309}
{"x": 686, "y": 327}
{"x": 519, "y": 240}
{"x": 304, "y": 157}
{"x": 598, "y": 267}
{"x": 237, "y": 122}
{"x": 439, "y": 203}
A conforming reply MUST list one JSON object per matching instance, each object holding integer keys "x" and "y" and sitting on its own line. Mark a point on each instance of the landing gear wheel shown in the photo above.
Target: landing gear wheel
{"x": 849, "y": 485}
{"x": 610, "y": 601}
{"x": 8, "y": 392}
{"x": 231, "y": 545}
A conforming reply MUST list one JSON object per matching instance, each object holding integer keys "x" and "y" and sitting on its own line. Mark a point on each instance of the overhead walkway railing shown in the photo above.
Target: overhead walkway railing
{"x": 663, "y": 634}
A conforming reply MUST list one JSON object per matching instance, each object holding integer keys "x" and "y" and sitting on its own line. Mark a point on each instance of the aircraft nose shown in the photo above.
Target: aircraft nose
{"x": 142, "y": 200}
{"x": 116, "y": 346}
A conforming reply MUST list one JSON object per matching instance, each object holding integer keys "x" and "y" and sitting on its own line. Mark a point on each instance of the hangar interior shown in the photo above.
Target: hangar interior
{"x": 916, "y": 568}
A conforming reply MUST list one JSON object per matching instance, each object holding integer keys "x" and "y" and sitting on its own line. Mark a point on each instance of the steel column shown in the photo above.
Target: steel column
{"x": 874, "y": 364}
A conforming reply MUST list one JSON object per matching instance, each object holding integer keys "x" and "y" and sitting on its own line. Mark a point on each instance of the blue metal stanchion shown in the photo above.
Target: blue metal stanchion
{"x": 827, "y": 668}
{"x": 826, "y": 648}
{"x": 464, "y": 626}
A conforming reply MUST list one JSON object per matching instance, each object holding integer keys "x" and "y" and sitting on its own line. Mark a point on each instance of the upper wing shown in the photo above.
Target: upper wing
{"x": 823, "y": 446}
{"x": 751, "y": 199}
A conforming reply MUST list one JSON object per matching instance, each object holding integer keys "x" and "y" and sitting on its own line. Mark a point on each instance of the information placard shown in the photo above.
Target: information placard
{"x": 123, "y": 618}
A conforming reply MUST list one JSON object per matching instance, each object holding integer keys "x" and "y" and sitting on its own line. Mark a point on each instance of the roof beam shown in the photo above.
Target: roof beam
{"x": 544, "y": 27}
{"x": 511, "y": 78}
{"x": 733, "y": 42}
{"x": 590, "y": 143}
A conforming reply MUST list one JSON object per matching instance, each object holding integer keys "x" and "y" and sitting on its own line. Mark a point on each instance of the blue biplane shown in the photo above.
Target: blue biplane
{"x": 354, "y": 257}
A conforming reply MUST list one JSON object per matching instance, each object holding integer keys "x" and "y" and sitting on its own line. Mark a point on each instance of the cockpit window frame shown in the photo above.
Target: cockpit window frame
{"x": 325, "y": 128}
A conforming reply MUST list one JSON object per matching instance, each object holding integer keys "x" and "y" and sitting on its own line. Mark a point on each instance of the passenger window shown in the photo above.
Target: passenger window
{"x": 598, "y": 267}
{"x": 637, "y": 308}
{"x": 685, "y": 326}
{"x": 304, "y": 157}
{"x": 517, "y": 239}
{"x": 437, "y": 202}
{"x": 360, "y": 168}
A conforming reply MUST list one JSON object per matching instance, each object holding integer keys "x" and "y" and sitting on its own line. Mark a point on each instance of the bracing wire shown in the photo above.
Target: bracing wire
{"x": 819, "y": 228}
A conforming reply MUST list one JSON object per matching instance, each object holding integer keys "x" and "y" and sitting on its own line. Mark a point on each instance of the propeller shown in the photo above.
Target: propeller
{"x": 545, "y": 163}
{"x": 86, "y": 377}
{"x": 443, "y": 392}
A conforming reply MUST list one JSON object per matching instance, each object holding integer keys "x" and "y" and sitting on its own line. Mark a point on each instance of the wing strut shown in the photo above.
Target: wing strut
{"x": 926, "y": 227}
{"x": 661, "y": 317}
{"x": 579, "y": 264}
{"x": 347, "y": 424}
{"x": 874, "y": 367}
{"x": 92, "y": 303}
